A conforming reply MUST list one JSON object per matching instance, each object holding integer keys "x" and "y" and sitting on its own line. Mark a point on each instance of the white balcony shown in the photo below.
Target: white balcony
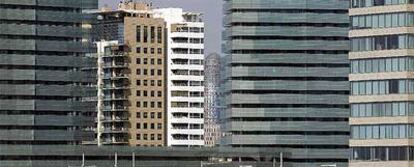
{"x": 187, "y": 88}
{"x": 115, "y": 65}
{"x": 187, "y": 67}
{"x": 186, "y": 120}
{"x": 113, "y": 140}
{"x": 114, "y": 119}
{"x": 115, "y": 130}
{"x": 187, "y": 45}
{"x": 187, "y": 131}
{"x": 188, "y": 99}
{"x": 186, "y": 110}
{"x": 187, "y": 34}
{"x": 186, "y": 56}
{"x": 187, "y": 77}
{"x": 187, "y": 142}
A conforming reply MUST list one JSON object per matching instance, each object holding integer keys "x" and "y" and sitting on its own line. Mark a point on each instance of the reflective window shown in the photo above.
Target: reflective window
{"x": 382, "y": 109}
{"x": 395, "y": 153}
{"x": 398, "y": 131}
{"x": 382, "y": 43}
{"x": 391, "y": 64}
{"x": 369, "y": 3}
{"x": 382, "y": 87}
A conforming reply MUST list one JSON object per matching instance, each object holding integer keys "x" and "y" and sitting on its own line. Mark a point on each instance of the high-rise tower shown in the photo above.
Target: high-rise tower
{"x": 185, "y": 76}
{"x": 131, "y": 80}
{"x": 41, "y": 78}
{"x": 382, "y": 106}
{"x": 287, "y": 78}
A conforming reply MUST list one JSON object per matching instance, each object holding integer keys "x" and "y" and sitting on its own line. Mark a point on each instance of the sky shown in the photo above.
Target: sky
{"x": 211, "y": 9}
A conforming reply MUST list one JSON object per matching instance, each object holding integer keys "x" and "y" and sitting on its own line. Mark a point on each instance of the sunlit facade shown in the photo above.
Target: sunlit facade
{"x": 382, "y": 85}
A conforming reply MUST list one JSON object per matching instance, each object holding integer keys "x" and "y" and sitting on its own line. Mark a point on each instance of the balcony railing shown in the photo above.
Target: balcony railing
{"x": 116, "y": 130}
{"x": 116, "y": 108}
{"x": 115, "y": 65}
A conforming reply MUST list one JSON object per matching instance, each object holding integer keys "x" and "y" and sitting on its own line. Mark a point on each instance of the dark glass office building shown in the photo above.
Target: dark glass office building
{"x": 287, "y": 78}
{"x": 41, "y": 79}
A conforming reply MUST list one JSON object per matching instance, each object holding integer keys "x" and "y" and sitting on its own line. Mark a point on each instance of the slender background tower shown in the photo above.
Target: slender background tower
{"x": 212, "y": 95}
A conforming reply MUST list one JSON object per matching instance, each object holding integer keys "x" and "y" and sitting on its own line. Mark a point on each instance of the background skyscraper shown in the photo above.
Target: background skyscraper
{"x": 382, "y": 84}
{"x": 287, "y": 84}
{"x": 212, "y": 95}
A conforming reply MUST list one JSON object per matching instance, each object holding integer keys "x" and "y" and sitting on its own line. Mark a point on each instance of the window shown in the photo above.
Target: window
{"x": 381, "y": 21}
{"x": 152, "y": 72}
{"x": 159, "y": 104}
{"x": 138, "y": 93}
{"x": 138, "y": 71}
{"x": 159, "y": 72}
{"x": 138, "y": 104}
{"x": 152, "y": 51}
{"x": 388, "y": 20}
{"x": 152, "y": 126}
{"x": 152, "y": 93}
{"x": 145, "y": 93}
{"x": 382, "y": 87}
{"x": 145, "y": 115}
{"x": 138, "y": 61}
{"x": 159, "y": 34}
{"x": 145, "y": 136}
{"x": 138, "y": 35}
{"x": 138, "y": 50}
{"x": 159, "y": 115}
{"x": 152, "y": 61}
{"x": 159, "y": 126}
{"x": 159, "y": 82}
{"x": 145, "y": 61}
{"x": 145, "y": 50}
{"x": 145, "y": 104}
{"x": 393, "y": 86}
{"x": 159, "y": 61}
{"x": 145, "y": 83}
{"x": 152, "y": 34}
{"x": 152, "y": 83}
{"x": 152, "y": 115}
{"x": 152, "y": 136}
{"x": 138, "y": 136}
{"x": 138, "y": 126}
{"x": 159, "y": 94}
{"x": 138, "y": 82}
{"x": 145, "y": 72}
{"x": 152, "y": 104}
{"x": 159, "y": 137}
{"x": 145, "y": 126}
{"x": 397, "y": 131}
{"x": 138, "y": 115}
{"x": 394, "y": 64}
{"x": 145, "y": 34}
{"x": 388, "y": 42}
{"x": 159, "y": 50}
